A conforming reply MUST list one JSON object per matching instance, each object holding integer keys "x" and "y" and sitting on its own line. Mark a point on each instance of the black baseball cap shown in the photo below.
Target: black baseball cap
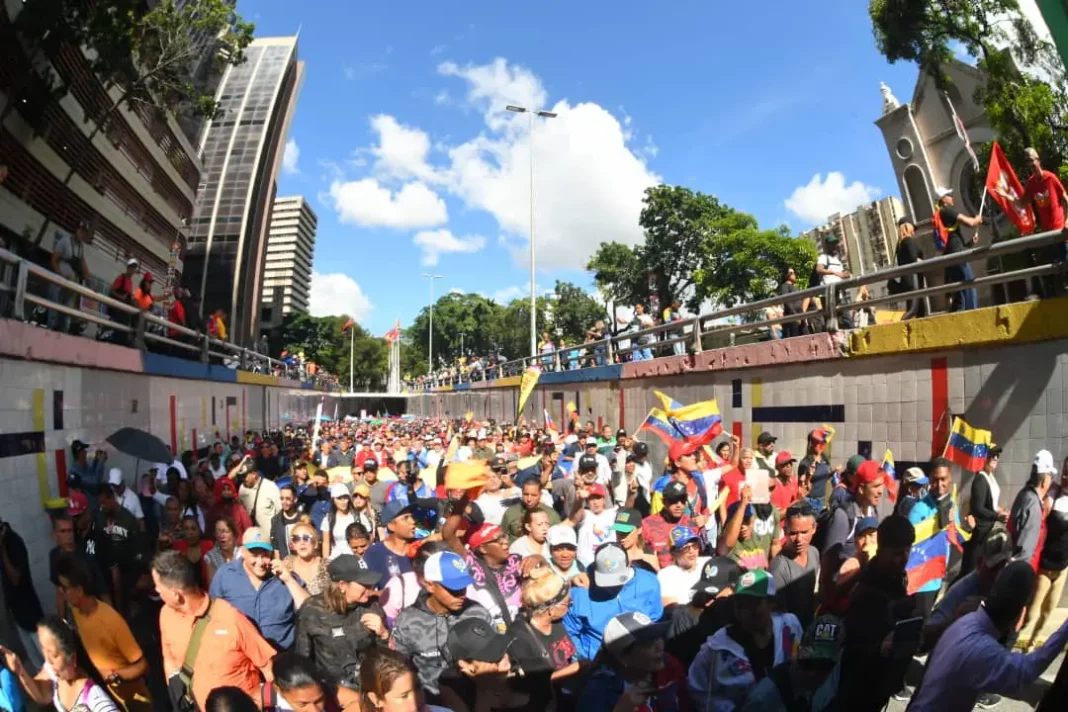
{"x": 627, "y": 520}
{"x": 499, "y": 464}
{"x": 766, "y": 438}
{"x": 352, "y": 568}
{"x": 718, "y": 573}
{"x": 475, "y": 639}
{"x": 621, "y": 433}
{"x": 641, "y": 449}
{"x": 370, "y": 464}
{"x": 78, "y": 446}
{"x": 587, "y": 463}
{"x": 674, "y": 491}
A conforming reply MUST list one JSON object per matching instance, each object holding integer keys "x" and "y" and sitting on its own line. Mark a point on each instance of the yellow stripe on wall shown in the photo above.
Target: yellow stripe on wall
{"x": 756, "y": 400}
{"x": 43, "y": 488}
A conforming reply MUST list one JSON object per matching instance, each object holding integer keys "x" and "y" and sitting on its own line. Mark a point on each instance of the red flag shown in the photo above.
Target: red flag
{"x": 1001, "y": 181}
{"x": 348, "y": 325}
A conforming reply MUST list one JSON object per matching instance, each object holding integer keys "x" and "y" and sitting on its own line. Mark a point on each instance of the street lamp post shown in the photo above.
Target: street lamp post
{"x": 462, "y": 334}
{"x": 430, "y": 331}
{"x": 533, "y": 297}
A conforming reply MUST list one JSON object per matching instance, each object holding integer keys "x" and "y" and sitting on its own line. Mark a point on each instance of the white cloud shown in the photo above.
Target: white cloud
{"x": 820, "y": 198}
{"x": 367, "y": 203}
{"x": 435, "y": 243}
{"x": 366, "y": 70}
{"x": 402, "y": 151}
{"x": 335, "y": 294}
{"x": 589, "y": 182}
{"x": 290, "y": 157}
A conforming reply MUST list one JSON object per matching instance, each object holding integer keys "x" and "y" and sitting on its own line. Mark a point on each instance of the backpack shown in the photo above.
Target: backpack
{"x": 939, "y": 232}
{"x": 823, "y": 525}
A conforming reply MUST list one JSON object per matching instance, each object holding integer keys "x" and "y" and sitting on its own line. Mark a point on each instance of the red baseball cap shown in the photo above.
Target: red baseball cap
{"x": 784, "y": 457}
{"x": 596, "y": 490}
{"x": 484, "y": 534}
{"x": 868, "y": 471}
{"x": 682, "y": 448}
{"x": 78, "y": 504}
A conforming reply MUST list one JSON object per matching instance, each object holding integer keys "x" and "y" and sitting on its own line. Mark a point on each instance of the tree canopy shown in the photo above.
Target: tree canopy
{"x": 1023, "y": 108}
{"x": 483, "y": 327}
{"x": 322, "y": 340}
{"x": 697, "y": 249}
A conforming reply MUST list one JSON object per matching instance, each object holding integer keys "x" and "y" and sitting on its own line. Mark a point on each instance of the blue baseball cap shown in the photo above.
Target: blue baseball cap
{"x": 680, "y": 536}
{"x": 449, "y": 570}
{"x": 866, "y": 524}
{"x": 393, "y": 510}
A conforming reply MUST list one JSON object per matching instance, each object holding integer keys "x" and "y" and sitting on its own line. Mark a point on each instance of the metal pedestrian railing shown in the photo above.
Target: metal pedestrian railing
{"x": 827, "y": 308}
{"x": 140, "y": 328}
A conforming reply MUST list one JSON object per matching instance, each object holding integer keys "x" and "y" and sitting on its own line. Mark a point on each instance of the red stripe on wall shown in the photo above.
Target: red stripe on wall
{"x": 61, "y": 471}
{"x": 244, "y": 413}
{"x": 174, "y": 426}
{"x": 940, "y": 417}
{"x": 736, "y": 428}
{"x": 600, "y": 423}
{"x": 621, "y": 423}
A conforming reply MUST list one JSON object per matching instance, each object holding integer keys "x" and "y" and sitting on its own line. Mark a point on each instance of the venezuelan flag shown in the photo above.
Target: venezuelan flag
{"x": 668, "y": 402}
{"x": 968, "y": 446}
{"x": 927, "y": 560}
{"x": 549, "y": 424}
{"x": 657, "y": 423}
{"x": 700, "y": 420}
{"x": 890, "y": 475}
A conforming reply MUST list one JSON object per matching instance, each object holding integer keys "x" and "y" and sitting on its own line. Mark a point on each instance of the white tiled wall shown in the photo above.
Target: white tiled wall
{"x": 97, "y": 403}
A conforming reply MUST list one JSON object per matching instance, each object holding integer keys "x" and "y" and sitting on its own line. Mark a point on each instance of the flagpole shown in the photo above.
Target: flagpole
{"x": 982, "y": 201}
{"x": 352, "y": 343}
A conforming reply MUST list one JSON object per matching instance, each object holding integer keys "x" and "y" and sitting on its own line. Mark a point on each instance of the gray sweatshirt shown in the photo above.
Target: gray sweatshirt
{"x": 1026, "y": 519}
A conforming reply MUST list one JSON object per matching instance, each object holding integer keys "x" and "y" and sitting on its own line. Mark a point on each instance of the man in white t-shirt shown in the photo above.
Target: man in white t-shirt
{"x": 829, "y": 265}
{"x": 68, "y": 260}
{"x": 594, "y": 522}
{"x": 127, "y": 498}
{"x": 677, "y": 581}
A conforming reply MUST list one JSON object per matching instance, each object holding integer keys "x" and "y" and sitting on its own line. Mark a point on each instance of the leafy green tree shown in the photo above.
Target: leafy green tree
{"x": 574, "y": 311}
{"x": 741, "y": 263}
{"x": 1024, "y": 109}
{"x": 472, "y": 315}
{"x": 619, "y": 274}
{"x": 511, "y": 330}
{"x": 145, "y": 55}
{"x": 322, "y": 340}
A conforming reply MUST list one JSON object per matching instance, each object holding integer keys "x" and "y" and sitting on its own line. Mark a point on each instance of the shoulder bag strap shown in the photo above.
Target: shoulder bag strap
{"x": 495, "y": 592}
{"x": 255, "y": 501}
{"x": 186, "y": 673}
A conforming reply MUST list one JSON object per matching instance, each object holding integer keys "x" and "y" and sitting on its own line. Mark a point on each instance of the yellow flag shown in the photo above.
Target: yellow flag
{"x": 526, "y": 386}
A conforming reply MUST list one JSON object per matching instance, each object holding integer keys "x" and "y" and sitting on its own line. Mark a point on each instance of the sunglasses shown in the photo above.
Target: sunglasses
{"x": 306, "y": 538}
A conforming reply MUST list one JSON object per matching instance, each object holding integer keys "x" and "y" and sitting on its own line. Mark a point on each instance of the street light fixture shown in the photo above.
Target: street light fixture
{"x": 430, "y": 331}
{"x": 533, "y": 297}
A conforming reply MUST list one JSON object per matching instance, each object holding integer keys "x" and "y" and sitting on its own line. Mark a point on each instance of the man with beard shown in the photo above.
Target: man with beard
{"x": 656, "y": 528}
{"x": 795, "y": 568}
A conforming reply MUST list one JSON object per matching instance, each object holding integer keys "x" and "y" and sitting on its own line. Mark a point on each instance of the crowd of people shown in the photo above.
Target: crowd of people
{"x": 425, "y": 564}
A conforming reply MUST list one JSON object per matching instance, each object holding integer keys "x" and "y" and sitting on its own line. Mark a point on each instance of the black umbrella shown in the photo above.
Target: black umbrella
{"x": 139, "y": 444}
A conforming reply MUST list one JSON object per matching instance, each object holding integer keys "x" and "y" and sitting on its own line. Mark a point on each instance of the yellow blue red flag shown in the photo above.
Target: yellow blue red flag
{"x": 968, "y": 446}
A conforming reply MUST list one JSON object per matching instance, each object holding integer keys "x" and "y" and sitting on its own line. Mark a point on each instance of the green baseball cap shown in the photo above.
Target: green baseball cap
{"x": 823, "y": 639}
{"x": 627, "y": 520}
{"x": 854, "y": 462}
{"x": 757, "y": 583}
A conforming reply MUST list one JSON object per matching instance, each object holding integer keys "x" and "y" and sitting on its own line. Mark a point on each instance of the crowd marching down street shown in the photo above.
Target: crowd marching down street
{"x": 427, "y": 564}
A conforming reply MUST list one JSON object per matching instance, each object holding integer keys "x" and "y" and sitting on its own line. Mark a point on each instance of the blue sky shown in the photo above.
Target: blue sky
{"x": 401, "y": 143}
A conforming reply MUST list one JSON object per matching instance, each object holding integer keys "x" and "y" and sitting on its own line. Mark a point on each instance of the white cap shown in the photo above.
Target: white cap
{"x": 482, "y": 434}
{"x": 943, "y": 192}
{"x": 132, "y": 262}
{"x": 561, "y": 534}
{"x": 1044, "y": 463}
{"x": 339, "y": 489}
{"x": 571, "y": 439}
{"x": 114, "y": 476}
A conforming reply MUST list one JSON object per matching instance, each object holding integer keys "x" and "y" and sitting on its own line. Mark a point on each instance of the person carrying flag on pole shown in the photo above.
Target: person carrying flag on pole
{"x": 952, "y": 219}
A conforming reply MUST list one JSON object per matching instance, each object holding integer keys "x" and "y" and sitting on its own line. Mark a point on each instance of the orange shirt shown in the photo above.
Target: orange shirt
{"x": 232, "y": 651}
{"x": 110, "y": 646}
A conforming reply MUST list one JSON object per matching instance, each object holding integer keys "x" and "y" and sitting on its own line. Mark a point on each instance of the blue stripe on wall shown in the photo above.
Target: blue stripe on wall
{"x": 159, "y": 365}
{"x": 586, "y": 375}
{"x": 799, "y": 414}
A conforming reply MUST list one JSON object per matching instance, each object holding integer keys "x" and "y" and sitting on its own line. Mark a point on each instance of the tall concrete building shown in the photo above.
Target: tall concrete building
{"x": 290, "y": 247}
{"x": 242, "y": 155}
{"x": 135, "y": 182}
{"x": 868, "y": 235}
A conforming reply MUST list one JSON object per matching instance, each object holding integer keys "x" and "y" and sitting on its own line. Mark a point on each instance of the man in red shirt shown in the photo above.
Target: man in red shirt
{"x": 784, "y": 487}
{"x": 656, "y": 528}
{"x": 1045, "y": 191}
